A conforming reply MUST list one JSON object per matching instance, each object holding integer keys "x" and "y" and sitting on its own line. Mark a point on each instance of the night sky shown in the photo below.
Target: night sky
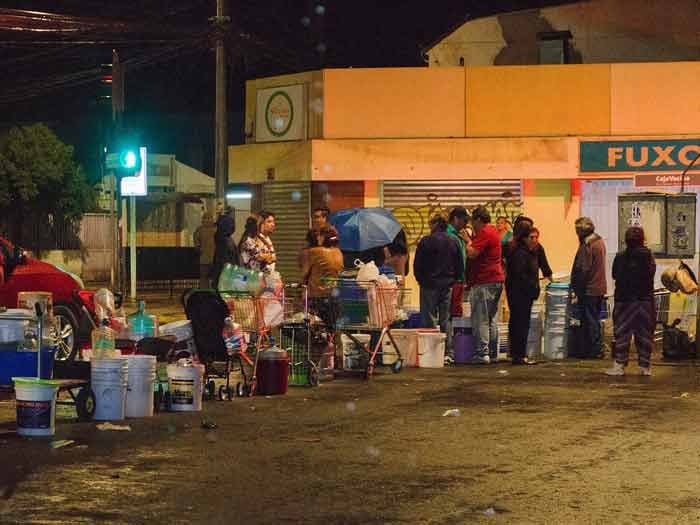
{"x": 50, "y": 68}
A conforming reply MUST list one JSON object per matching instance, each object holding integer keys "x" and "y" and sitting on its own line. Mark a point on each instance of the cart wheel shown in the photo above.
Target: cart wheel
{"x": 85, "y": 404}
{"x": 222, "y": 392}
{"x": 397, "y": 366}
{"x": 240, "y": 390}
{"x": 369, "y": 370}
{"x": 313, "y": 375}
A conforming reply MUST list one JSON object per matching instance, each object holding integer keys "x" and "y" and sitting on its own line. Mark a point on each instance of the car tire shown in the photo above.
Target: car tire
{"x": 67, "y": 327}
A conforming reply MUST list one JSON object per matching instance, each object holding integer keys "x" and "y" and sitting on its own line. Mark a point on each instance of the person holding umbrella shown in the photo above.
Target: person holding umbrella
{"x": 364, "y": 232}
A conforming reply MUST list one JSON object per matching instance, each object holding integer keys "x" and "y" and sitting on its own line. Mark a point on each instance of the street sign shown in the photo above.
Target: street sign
{"x": 136, "y": 186}
{"x": 656, "y": 180}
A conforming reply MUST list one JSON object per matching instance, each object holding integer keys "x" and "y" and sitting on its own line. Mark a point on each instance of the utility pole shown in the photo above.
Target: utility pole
{"x": 117, "y": 112}
{"x": 220, "y": 25}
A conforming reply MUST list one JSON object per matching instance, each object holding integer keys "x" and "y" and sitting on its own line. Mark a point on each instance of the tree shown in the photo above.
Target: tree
{"x": 40, "y": 182}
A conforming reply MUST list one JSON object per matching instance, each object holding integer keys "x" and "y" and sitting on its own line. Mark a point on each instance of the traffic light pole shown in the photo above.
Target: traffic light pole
{"x": 219, "y": 23}
{"x": 132, "y": 247}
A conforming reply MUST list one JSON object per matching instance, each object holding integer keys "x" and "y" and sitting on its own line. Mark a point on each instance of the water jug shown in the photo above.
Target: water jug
{"x": 141, "y": 324}
{"x": 103, "y": 338}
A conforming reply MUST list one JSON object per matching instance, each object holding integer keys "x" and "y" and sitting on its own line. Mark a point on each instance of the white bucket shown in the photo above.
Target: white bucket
{"x": 407, "y": 341}
{"x": 109, "y": 380}
{"x": 36, "y": 406}
{"x": 555, "y": 341}
{"x": 186, "y": 386}
{"x": 142, "y": 377}
{"x": 183, "y": 333}
{"x": 353, "y": 358}
{"x": 431, "y": 349}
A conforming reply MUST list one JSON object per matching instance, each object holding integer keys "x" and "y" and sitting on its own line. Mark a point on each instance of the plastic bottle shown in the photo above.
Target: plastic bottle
{"x": 141, "y": 324}
{"x": 103, "y": 338}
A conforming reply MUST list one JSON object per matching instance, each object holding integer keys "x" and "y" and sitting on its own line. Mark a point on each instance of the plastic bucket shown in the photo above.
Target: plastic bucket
{"x": 431, "y": 349}
{"x": 555, "y": 341}
{"x": 109, "y": 381}
{"x": 407, "y": 341}
{"x": 141, "y": 384}
{"x": 36, "y": 406}
{"x": 186, "y": 386}
{"x": 354, "y": 357}
{"x": 463, "y": 344}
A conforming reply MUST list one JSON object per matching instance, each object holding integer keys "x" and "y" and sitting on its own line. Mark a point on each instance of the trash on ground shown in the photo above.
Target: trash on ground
{"x": 208, "y": 425}
{"x": 684, "y": 395}
{"x": 109, "y": 426}
{"x": 453, "y": 412}
{"x": 310, "y": 440}
{"x": 490, "y": 512}
{"x": 60, "y": 443}
{"x": 503, "y": 372}
{"x": 562, "y": 375}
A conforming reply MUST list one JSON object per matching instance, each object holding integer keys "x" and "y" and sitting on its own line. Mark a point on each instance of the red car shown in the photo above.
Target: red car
{"x": 72, "y": 306}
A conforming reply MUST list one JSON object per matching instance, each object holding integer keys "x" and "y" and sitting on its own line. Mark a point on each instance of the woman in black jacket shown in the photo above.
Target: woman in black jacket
{"x": 522, "y": 288}
{"x": 634, "y": 312}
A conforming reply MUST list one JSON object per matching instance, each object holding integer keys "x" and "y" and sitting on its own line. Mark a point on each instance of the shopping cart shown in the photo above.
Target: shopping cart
{"x": 248, "y": 330}
{"x": 676, "y": 324}
{"x": 368, "y": 306}
{"x": 306, "y": 337}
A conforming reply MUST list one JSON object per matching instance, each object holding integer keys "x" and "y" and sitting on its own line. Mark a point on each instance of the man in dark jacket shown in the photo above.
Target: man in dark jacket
{"x": 225, "y": 249}
{"x": 589, "y": 284}
{"x": 438, "y": 265}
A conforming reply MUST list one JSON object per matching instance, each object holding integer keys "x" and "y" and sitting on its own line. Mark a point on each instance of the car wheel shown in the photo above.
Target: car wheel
{"x": 65, "y": 332}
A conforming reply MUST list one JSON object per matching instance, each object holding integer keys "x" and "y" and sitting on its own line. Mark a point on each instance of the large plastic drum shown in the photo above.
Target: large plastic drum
{"x": 555, "y": 331}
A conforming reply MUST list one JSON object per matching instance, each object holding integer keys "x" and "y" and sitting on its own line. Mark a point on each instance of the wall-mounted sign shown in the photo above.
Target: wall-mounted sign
{"x": 657, "y": 180}
{"x": 137, "y": 186}
{"x": 632, "y": 156}
{"x": 280, "y": 114}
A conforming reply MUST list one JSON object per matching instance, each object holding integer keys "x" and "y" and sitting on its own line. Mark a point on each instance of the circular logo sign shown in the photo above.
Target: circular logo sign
{"x": 279, "y": 113}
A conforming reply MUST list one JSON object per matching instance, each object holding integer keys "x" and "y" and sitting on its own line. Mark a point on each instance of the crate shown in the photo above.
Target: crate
{"x": 23, "y": 364}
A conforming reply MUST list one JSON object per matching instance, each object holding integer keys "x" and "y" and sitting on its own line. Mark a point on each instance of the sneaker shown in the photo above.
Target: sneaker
{"x": 449, "y": 360}
{"x": 618, "y": 369}
{"x": 481, "y": 360}
{"x": 644, "y": 371}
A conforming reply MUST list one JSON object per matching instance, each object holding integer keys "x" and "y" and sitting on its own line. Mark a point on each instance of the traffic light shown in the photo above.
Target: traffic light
{"x": 130, "y": 159}
{"x": 106, "y": 80}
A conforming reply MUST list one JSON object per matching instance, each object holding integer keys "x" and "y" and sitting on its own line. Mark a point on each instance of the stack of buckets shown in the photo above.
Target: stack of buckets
{"x": 555, "y": 341}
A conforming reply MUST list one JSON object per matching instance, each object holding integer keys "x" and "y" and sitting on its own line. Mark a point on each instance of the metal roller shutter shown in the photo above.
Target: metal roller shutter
{"x": 414, "y": 202}
{"x": 290, "y": 202}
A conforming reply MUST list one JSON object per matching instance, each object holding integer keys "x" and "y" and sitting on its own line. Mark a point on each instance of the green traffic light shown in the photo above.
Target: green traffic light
{"x": 128, "y": 159}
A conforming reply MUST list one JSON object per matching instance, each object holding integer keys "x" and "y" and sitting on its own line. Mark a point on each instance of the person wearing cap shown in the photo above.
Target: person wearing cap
{"x": 589, "y": 284}
{"x": 437, "y": 266}
{"x": 456, "y": 222}
{"x": 485, "y": 283}
{"x": 634, "y": 313}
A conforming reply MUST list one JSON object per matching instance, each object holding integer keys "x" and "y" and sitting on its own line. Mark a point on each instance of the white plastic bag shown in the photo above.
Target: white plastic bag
{"x": 367, "y": 271}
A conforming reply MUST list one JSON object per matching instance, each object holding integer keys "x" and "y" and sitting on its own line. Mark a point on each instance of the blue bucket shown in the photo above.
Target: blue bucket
{"x": 23, "y": 364}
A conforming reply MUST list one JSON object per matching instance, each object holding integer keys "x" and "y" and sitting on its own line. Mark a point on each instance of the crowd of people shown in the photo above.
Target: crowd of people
{"x": 464, "y": 253}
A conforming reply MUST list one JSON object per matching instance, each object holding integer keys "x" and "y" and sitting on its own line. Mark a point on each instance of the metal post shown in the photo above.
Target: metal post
{"x": 219, "y": 23}
{"x": 117, "y": 111}
{"x": 132, "y": 246}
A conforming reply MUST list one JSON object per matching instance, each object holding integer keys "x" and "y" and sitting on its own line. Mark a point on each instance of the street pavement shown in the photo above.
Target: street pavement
{"x": 553, "y": 443}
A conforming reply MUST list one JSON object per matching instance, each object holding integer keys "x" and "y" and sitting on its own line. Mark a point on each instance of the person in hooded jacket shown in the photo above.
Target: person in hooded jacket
{"x": 205, "y": 244}
{"x": 634, "y": 313}
{"x": 225, "y": 249}
{"x": 589, "y": 284}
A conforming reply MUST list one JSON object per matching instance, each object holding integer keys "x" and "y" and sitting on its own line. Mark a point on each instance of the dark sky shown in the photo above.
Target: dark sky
{"x": 53, "y": 75}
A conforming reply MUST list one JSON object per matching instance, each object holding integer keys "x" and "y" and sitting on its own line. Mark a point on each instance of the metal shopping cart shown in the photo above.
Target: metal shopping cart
{"x": 367, "y": 306}
{"x": 676, "y": 321}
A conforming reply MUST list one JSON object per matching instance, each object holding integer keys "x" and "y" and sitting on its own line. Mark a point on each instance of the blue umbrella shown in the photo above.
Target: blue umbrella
{"x": 361, "y": 229}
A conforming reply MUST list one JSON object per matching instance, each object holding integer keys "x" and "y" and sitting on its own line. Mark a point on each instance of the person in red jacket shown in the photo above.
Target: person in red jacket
{"x": 485, "y": 283}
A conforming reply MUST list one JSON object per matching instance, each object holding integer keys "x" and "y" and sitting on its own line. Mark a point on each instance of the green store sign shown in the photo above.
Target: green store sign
{"x": 638, "y": 155}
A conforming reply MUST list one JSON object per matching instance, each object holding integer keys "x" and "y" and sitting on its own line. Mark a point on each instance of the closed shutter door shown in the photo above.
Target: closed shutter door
{"x": 414, "y": 202}
{"x": 290, "y": 202}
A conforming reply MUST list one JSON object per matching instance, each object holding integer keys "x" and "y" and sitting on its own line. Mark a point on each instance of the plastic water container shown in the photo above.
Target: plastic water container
{"x": 103, "y": 341}
{"x": 183, "y": 334}
{"x": 186, "y": 386}
{"x": 109, "y": 381}
{"x": 36, "y": 406}
{"x": 431, "y": 349}
{"x": 141, "y": 385}
{"x": 28, "y": 301}
{"x": 141, "y": 324}
{"x": 273, "y": 371}
{"x": 407, "y": 341}
{"x": 354, "y": 357}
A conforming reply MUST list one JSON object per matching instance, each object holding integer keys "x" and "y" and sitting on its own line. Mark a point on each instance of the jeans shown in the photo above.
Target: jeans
{"x": 634, "y": 318}
{"x": 519, "y": 324}
{"x": 590, "y": 307}
{"x": 484, "y": 300}
{"x": 435, "y": 307}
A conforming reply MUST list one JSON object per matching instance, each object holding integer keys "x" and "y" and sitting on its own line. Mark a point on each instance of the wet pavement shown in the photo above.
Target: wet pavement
{"x": 553, "y": 443}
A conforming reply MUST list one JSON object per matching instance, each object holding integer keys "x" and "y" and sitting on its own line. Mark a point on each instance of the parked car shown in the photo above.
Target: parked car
{"x": 73, "y": 306}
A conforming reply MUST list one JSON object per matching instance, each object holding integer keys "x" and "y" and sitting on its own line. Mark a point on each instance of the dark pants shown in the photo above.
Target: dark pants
{"x": 634, "y": 318}
{"x": 590, "y": 307}
{"x": 518, "y": 324}
{"x": 435, "y": 307}
{"x": 204, "y": 276}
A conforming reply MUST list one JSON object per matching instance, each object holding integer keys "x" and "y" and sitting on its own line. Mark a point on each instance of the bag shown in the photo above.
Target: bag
{"x": 686, "y": 279}
{"x": 367, "y": 272}
{"x": 676, "y": 343}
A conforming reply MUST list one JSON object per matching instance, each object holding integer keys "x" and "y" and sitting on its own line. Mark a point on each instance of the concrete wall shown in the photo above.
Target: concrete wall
{"x": 603, "y": 31}
{"x": 290, "y": 161}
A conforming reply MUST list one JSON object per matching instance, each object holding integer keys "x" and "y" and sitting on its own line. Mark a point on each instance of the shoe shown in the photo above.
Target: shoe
{"x": 618, "y": 369}
{"x": 644, "y": 371}
{"x": 523, "y": 361}
{"x": 481, "y": 360}
{"x": 449, "y": 360}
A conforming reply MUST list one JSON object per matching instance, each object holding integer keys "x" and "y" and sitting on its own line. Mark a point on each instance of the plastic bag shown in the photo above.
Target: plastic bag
{"x": 104, "y": 304}
{"x": 273, "y": 283}
{"x": 234, "y": 279}
{"x": 686, "y": 279}
{"x": 367, "y": 272}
